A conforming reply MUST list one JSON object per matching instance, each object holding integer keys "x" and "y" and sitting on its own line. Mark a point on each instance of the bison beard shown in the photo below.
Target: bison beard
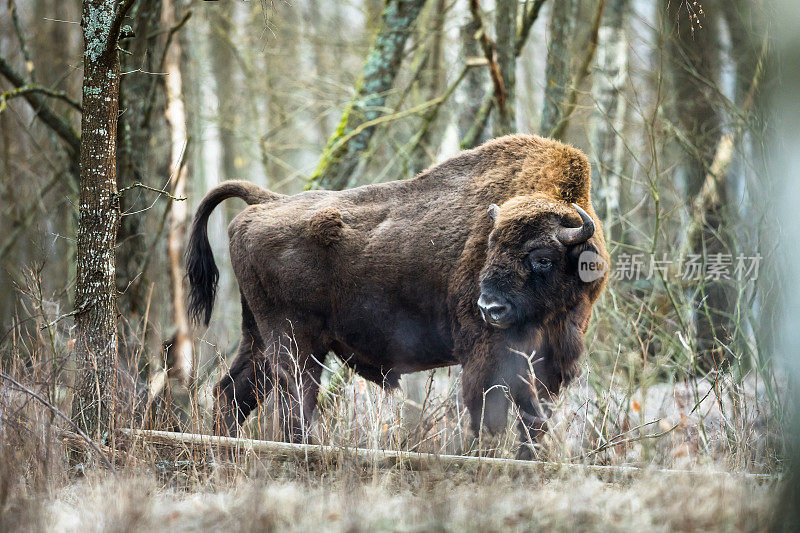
{"x": 411, "y": 275}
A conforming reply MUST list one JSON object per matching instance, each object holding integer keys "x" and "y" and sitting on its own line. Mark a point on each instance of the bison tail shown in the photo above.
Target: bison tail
{"x": 200, "y": 267}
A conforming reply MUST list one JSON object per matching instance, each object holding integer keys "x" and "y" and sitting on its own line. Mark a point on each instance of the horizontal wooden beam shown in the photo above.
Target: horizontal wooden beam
{"x": 285, "y": 451}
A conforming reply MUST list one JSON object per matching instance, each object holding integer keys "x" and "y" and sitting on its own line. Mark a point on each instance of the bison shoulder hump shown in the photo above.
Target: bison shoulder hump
{"x": 326, "y": 226}
{"x": 567, "y": 173}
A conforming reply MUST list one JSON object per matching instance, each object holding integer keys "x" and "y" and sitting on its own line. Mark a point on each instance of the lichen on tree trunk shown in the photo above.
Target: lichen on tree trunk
{"x": 95, "y": 288}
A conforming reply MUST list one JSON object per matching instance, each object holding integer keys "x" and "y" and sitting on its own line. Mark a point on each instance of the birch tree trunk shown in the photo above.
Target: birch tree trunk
{"x": 95, "y": 287}
{"x": 339, "y": 162}
{"x": 180, "y": 354}
{"x": 558, "y": 72}
{"x": 609, "y": 116}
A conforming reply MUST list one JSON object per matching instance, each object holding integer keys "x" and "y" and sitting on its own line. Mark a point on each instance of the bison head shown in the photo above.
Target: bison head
{"x": 532, "y": 261}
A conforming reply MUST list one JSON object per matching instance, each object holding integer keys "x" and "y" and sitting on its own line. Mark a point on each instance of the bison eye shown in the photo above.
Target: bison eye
{"x": 541, "y": 264}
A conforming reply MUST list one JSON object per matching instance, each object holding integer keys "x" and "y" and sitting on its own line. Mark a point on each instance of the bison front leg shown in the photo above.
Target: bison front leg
{"x": 540, "y": 388}
{"x": 487, "y": 404}
{"x": 485, "y": 391}
{"x": 532, "y": 425}
{"x": 496, "y": 379}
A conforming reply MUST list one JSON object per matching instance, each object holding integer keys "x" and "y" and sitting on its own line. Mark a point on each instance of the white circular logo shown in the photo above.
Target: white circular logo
{"x": 591, "y": 266}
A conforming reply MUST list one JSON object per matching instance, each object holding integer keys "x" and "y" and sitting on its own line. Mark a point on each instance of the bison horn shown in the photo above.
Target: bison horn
{"x": 493, "y": 211}
{"x": 573, "y": 236}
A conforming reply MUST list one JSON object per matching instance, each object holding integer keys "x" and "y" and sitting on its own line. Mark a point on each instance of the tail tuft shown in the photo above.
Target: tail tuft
{"x": 200, "y": 267}
{"x": 202, "y": 272}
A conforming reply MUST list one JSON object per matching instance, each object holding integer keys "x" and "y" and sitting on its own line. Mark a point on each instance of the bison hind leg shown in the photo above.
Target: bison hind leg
{"x": 237, "y": 394}
{"x": 248, "y": 381}
{"x": 296, "y": 393}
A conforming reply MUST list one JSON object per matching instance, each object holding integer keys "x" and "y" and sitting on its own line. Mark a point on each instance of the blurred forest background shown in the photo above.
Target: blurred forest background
{"x": 670, "y": 99}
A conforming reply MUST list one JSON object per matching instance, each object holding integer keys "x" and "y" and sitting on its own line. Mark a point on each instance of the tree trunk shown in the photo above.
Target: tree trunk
{"x": 471, "y": 93}
{"x": 137, "y": 158}
{"x": 557, "y": 71}
{"x": 693, "y": 53}
{"x": 180, "y": 356}
{"x": 229, "y": 119}
{"x": 95, "y": 287}
{"x": 505, "y": 38}
{"x": 474, "y": 134}
{"x": 432, "y": 83}
{"x": 746, "y": 23}
{"x": 608, "y": 119}
{"x": 339, "y": 162}
{"x": 784, "y": 169}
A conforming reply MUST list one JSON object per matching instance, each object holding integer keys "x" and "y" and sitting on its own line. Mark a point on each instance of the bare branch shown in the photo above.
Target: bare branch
{"x": 529, "y": 16}
{"x": 149, "y": 188}
{"x": 490, "y": 52}
{"x": 55, "y": 122}
{"x": 23, "y": 46}
{"x": 25, "y": 89}
{"x": 113, "y": 35}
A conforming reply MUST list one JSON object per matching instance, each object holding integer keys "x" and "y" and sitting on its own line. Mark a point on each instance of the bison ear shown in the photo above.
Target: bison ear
{"x": 493, "y": 212}
{"x": 575, "y": 252}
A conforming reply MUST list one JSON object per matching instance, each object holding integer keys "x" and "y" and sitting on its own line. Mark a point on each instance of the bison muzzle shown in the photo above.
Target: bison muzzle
{"x": 472, "y": 262}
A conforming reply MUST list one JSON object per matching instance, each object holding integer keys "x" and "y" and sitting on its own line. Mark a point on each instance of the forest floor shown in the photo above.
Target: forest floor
{"x": 405, "y": 501}
{"x": 719, "y": 443}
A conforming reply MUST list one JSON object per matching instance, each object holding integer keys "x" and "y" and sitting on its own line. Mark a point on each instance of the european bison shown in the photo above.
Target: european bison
{"x": 475, "y": 262}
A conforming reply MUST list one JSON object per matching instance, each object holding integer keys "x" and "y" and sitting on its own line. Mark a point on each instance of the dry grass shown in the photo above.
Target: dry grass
{"x": 341, "y": 501}
{"x": 154, "y": 492}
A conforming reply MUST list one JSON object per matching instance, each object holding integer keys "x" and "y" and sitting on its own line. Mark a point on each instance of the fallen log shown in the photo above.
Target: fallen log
{"x": 285, "y": 451}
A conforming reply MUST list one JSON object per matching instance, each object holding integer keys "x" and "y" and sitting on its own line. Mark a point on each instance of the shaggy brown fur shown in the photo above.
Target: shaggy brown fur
{"x": 388, "y": 277}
